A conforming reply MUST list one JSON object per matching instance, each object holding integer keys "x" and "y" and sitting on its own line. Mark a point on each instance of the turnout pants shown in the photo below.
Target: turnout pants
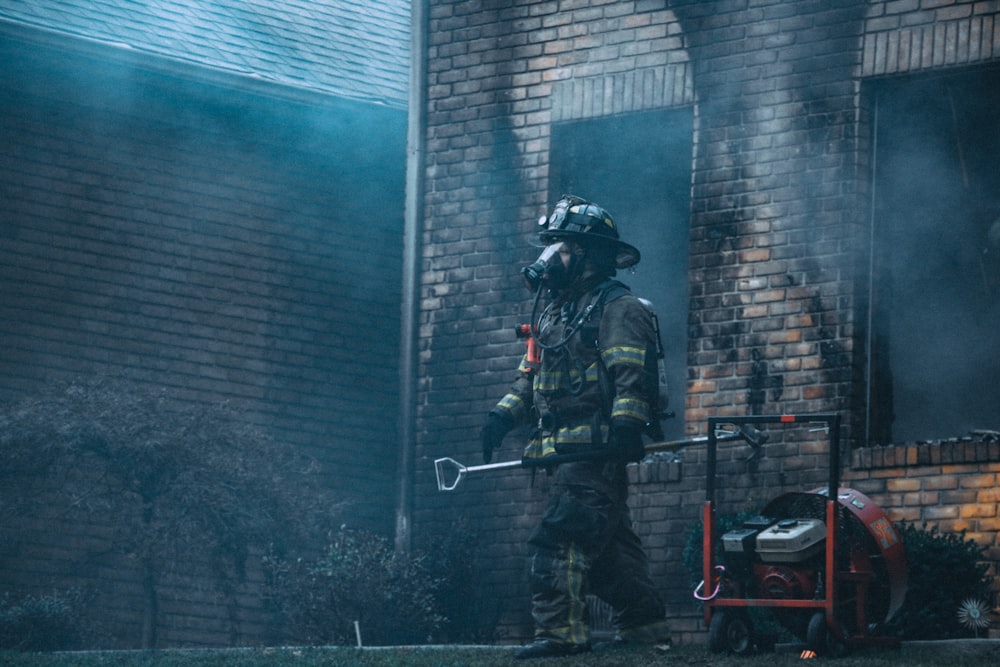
{"x": 585, "y": 545}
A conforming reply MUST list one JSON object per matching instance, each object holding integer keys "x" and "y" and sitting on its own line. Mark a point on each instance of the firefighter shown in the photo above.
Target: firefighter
{"x": 594, "y": 388}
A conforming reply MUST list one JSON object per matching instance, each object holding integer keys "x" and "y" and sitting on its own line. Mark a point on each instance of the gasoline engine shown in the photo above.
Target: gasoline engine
{"x": 831, "y": 571}
{"x": 780, "y": 557}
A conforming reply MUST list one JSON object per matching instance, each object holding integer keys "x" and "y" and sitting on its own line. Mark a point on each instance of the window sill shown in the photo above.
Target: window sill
{"x": 977, "y": 448}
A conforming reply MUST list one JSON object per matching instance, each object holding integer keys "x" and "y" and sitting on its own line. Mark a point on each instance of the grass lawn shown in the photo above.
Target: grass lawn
{"x": 967, "y": 653}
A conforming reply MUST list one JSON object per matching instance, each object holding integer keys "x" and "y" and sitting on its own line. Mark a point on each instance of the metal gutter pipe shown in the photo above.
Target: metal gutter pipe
{"x": 412, "y": 225}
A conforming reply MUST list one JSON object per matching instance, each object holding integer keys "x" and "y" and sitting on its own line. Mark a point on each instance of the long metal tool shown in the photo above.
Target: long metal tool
{"x": 450, "y": 472}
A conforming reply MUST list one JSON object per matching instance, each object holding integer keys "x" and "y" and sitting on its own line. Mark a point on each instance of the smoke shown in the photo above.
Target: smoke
{"x": 214, "y": 234}
{"x": 638, "y": 166}
{"x": 937, "y": 279}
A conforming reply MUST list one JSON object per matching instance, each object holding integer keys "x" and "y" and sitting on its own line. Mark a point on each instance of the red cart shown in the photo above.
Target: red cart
{"x": 829, "y": 567}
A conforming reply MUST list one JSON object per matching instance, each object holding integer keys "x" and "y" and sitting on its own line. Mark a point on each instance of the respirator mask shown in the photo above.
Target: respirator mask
{"x": 548, "y": 269}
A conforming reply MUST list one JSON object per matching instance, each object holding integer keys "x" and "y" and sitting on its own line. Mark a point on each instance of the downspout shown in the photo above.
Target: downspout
{"x": 870, "y": 323}
{"x": 412, "y": 224}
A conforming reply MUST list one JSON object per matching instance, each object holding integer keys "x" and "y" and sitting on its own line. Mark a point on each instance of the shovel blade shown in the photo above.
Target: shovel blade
{"x": 449, "y": 473}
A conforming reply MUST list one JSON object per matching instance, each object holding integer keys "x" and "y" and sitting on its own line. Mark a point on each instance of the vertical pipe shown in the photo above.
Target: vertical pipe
{"x": 870, "y": 342}
{"x": 415, "y": 151}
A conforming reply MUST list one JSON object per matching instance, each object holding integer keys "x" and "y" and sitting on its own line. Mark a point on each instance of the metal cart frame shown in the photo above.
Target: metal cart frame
{"x": 826, "y": 633}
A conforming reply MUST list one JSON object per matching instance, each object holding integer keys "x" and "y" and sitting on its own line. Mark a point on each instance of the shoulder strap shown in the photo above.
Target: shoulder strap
{"x": 605, "y": 291}
{"x": 610, "y": 290}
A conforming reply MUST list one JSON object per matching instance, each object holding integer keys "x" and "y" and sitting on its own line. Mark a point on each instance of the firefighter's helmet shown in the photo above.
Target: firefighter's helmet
{"x": 576, "y": 219}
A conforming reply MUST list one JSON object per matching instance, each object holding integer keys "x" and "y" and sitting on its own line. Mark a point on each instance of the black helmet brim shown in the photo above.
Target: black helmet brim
{"x": 626, "y": 256}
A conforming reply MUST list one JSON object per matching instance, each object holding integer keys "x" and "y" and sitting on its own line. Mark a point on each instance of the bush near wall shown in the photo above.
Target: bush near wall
{"x": 112, "y": 487}
{"x": 932, "y": 609}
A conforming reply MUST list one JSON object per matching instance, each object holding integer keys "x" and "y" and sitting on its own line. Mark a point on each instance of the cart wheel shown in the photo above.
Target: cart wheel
{"x": 821, "y": 640}
{"x": 730, "y": 631}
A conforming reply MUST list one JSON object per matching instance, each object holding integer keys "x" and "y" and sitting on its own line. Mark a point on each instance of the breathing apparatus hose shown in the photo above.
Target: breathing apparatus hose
{"x": 574, "y": 327}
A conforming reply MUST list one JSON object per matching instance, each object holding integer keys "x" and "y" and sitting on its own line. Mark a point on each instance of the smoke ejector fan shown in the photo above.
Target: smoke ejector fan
{"x": 831, "y": 570}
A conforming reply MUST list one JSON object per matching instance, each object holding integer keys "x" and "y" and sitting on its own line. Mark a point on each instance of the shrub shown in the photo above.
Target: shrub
{"x": 359, "y": 579}
{"x": 152, "y": 481}
{"x": 945, "y": 570}
{"x": 471, "y": 609}
{"x": 40, "y": 623}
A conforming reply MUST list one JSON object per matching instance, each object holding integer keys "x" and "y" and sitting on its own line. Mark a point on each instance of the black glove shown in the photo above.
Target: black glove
{"x": 626, "y": 437}
{"x": 498, "y": 424}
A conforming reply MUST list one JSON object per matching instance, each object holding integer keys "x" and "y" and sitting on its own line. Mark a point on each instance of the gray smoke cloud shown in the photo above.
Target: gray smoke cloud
{"x": 938, "y": 194}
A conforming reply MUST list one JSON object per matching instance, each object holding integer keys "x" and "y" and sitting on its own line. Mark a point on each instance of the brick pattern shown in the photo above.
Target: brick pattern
{"x": 59, "y": 554}
{"x": 642, "y": 64}
{"x": 953, "y": 486}
{"x": 228, "y": 246}
{"x": 911, "y": 35}
{"x": 636, "y": 90}
{"x": 778, "y": 231}
{"x": 774, "y": 214}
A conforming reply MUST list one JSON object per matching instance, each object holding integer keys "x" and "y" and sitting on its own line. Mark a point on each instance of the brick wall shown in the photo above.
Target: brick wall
{"x": 229, "y": 242}
{"x": 779, "y": 228}
{"x": 915, "y": 35}
{"x": 949, "y": 485}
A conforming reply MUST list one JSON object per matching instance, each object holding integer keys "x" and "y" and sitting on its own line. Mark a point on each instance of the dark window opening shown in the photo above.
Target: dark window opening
{"x": 935, "y": 318}
{"x": 638, "y": 167}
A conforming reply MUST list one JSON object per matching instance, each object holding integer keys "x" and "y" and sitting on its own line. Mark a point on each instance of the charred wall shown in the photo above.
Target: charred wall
{"x": 779, "y": 229}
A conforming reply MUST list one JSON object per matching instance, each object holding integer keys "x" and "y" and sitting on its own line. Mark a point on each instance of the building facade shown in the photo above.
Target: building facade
{"x": 810, "y": 185}
{"x": 210, "y": 197}
{"x": 204, "y": 198}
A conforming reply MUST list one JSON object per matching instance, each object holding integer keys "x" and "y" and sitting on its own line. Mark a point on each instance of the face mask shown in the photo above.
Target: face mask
{"x": 547, "y": 269}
